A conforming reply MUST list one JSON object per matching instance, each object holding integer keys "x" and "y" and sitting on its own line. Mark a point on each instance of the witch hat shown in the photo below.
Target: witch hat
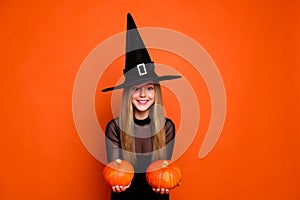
{"x": 139, "y": 68}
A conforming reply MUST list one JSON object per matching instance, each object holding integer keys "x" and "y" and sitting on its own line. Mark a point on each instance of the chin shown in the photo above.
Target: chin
{"x": 142, "y": 109}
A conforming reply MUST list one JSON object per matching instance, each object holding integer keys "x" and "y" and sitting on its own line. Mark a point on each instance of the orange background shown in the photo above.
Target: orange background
{"x": 255, "y": 44}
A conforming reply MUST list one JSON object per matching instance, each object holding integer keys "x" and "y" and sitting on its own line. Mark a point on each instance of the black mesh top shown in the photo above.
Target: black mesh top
{"x": 139, "y": 188}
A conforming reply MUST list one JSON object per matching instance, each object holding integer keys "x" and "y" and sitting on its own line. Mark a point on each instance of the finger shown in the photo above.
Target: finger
{"x": 162, "y": 191}
{"x": 167, "y": 191}
{"x": 117, "y": 188}
{"x": 123, "y": 188}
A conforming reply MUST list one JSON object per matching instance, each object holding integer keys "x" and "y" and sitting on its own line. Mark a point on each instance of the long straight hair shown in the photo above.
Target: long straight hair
{"x": 126, "y": 123}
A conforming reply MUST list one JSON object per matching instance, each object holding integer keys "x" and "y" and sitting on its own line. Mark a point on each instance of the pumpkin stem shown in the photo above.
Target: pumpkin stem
{"x": 117, "y": 161}
{"x": 165, "y": 163}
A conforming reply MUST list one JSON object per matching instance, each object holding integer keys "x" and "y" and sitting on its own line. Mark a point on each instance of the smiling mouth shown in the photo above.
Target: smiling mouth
{"x": 142, "y": 101}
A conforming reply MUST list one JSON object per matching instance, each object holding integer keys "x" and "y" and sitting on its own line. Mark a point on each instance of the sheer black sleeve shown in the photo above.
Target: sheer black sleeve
{"x": 112, "y": 140}
{"x": 170, "y": 137}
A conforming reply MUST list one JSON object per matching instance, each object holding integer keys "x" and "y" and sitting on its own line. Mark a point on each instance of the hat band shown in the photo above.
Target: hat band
{"x": 141, "y": 70}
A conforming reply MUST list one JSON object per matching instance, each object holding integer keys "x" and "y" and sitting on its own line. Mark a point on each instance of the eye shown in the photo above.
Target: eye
{"x": 150, "y": 88}
{"x": 135, "y": 89}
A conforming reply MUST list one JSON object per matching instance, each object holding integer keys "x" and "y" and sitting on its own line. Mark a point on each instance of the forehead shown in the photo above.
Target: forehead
{"x": 143, "y": 85}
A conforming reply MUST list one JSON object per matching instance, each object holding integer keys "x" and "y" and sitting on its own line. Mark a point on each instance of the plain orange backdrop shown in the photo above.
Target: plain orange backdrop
{"x": 255, "y": 44}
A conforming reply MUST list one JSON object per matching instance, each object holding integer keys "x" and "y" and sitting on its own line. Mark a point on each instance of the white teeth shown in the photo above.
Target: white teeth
{"x": 142, "y": 101}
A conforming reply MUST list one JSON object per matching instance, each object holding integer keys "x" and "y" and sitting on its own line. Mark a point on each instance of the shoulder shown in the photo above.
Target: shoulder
{"x": 169, "y": 126}
{"x": 114, "y": 121}
{"x": 113, "y": 124}
{"x": 170, "y": 130}
{"x": 169, "y": 122}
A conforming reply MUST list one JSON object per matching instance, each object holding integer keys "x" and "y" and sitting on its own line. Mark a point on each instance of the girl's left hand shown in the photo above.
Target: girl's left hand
{"x": 161, "y": 190}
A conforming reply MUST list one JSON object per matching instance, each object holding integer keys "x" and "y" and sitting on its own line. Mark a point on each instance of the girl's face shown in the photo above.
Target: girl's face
{"x": 142, "y": 98}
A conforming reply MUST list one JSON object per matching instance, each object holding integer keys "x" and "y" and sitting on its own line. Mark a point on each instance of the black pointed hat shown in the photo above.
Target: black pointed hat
{"x": 139, "y": 68}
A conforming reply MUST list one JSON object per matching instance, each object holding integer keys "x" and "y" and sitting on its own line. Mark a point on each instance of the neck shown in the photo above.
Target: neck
{"x": 141, "y": 115}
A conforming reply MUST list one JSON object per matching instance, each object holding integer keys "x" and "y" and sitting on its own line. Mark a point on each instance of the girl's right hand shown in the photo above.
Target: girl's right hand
{"x": 120, "y": 188}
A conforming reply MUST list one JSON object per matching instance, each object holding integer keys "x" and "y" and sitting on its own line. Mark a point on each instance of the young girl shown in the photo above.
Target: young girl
{"x": 142, "y": 133}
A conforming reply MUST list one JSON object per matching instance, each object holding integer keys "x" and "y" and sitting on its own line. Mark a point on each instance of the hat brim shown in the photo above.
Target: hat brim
{"x": 140, "y": 81}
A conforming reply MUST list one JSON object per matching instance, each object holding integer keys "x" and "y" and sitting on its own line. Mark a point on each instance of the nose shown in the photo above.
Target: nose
{"x": 142, "y": 92}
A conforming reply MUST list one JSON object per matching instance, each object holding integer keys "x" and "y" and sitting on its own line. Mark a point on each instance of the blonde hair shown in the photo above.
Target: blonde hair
{"x": 126, "y": 123}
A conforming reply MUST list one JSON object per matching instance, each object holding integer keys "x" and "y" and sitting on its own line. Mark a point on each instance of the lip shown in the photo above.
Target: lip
{"x": 142, "y": 102}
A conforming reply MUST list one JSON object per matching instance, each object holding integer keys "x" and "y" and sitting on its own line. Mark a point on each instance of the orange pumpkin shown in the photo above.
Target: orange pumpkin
{"x": 118, "y": 172}
{"x": 163, "y": 174}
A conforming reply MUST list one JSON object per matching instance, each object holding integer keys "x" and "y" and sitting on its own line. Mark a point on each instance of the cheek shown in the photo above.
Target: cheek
{"x": 133, "y": 96}
{"x": 152, "y": 95}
